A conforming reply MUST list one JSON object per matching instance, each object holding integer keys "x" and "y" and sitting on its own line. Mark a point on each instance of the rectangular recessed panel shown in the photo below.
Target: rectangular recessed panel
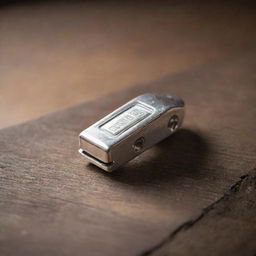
{"x": 126, "y": 119}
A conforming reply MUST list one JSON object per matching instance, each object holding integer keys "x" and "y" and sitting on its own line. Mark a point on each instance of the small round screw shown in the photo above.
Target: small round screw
{"x": 138, "y": 144}
{"x": 173, "y": 123}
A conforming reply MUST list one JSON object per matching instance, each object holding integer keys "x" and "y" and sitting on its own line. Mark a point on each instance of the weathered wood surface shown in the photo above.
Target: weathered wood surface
{"x": 227, "y": 227}
{"x": 52, "y": 203}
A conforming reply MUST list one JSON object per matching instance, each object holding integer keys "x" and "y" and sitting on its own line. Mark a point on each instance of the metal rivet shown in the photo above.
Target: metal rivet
{"x": 138, "y": 144}
{"x": 173, "y": 123}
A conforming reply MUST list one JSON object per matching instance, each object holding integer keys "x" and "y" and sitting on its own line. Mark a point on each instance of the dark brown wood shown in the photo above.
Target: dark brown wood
{"x": 227, "y": 227}
{"x": 52, "y": 203}
{"x": 172, "y": 199}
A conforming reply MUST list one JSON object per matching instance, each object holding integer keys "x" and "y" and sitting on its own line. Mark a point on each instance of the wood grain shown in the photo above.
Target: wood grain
{"x": 52, "y": 203}
{"x": 227, "y": 227}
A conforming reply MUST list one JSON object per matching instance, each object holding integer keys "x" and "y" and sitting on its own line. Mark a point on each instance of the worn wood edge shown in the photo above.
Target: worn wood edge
{"x": 161, "y": 248}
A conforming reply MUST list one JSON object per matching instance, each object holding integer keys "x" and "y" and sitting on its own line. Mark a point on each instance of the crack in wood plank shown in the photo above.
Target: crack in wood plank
{"x": 190, "y": 223}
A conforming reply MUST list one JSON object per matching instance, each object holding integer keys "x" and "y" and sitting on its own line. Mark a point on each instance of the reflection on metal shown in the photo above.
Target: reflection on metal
{"x": 131, "y": 129}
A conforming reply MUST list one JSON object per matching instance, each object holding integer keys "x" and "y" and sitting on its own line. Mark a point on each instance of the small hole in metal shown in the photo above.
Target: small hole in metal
{"x": 173, "y": 123}
{"x": 138, "y": 144}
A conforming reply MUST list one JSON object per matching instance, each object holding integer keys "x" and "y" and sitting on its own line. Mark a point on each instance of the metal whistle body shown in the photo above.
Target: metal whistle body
{"x": 131, "y": 129}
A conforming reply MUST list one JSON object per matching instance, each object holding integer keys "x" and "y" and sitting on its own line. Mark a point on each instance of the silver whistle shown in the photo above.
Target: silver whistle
{"x": 131, "y": 129}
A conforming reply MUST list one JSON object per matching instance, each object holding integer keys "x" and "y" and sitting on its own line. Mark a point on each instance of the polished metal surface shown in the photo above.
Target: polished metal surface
{"x": 131, "y": 129}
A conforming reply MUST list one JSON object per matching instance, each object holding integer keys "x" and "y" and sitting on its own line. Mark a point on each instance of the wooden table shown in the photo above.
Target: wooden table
{"x": 192, "y": 194}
